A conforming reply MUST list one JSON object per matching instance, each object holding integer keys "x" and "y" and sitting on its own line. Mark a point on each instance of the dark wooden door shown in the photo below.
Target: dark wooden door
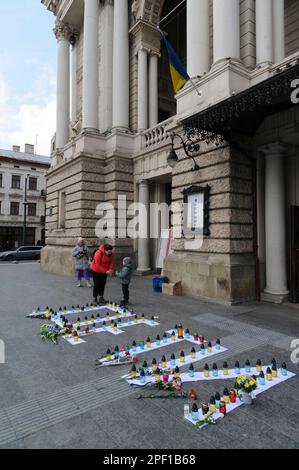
{"x": 294, "y": 297}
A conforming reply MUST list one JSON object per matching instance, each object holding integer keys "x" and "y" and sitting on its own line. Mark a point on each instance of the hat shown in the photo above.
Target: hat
{"x": 127, "y": 261}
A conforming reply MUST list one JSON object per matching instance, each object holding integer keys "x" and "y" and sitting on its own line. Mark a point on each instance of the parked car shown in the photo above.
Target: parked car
{"x": 23, "y": 252}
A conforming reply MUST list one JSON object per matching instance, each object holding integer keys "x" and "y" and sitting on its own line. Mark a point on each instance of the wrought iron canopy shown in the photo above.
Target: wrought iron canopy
{"x": 244, "y": 112}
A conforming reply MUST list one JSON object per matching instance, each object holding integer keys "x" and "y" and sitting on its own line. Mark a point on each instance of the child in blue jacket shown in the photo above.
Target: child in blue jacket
{"x": 125, "y": 275}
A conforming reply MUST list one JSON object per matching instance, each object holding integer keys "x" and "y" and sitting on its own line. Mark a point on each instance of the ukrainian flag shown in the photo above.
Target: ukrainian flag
{"x": 178, "y": 73}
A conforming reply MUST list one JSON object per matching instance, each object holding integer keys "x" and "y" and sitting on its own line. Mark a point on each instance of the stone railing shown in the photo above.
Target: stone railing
{"x": 157, "y": 135}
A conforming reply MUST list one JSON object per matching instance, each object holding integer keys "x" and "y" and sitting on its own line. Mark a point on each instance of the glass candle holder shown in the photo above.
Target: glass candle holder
{"x": 165, "y": 338}
{"x": 142, "y": 345}
{"x": 158, "y": 341}
{"x": 193, "y": 353}
{"x": 157, "y": 376}
{"x": 154, "y": 365}
{"x": 108, "y": 354}
{"x": 202, "y": 349}
{"x": 222, "y": 408}
{"x": 191, "y": 371}
{"x": 284, "y": 369}
{"x": 165, "y": 377}
{"x": 196, "y": 337}
{"x": 163, "y": 362}
{"x": 180, "y": 331}
{"x": 225, "y": 368}
{"x": 225, "y": 397}
{"x": 269, "y": 374}
{"x": 205, "y": 409}
{"x": 148, "y": 343}
{"x": 142, "y": 377}
{"x": 232, "y": 396}
{"x": 173, "y": 360}
{"x": 134, "y": 346}
{"x": 215, "y": 370}
{"x": 217, "y": 400}
{"x": 247, "y": 367}
{"x": 212, "y": 405}
{"x": 237, "y": 368}
{"x": 218, "y": 345}
{"x": 145, "y": 367}
{"x": 206, "y": 371}
{"x": 177, "y": 374}
{"x": 182, "y": 357}
{"x": 173, "y": 336}
{"x": 194, "y": 412}
{"x": 258, "y": 366}
{"x": 210, "y": 347}
{"x": 261, "y": 378}
{"x": 201, "y": 339}
{"x": 274, "y": 371}
{"x": 133, "y": 372}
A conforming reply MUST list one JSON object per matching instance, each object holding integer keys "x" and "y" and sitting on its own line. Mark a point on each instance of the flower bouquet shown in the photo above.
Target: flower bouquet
{"x": 245, "y": 385}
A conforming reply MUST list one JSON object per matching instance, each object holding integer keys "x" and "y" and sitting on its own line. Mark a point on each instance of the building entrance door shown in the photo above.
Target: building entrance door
{"x": 294, "y": 264}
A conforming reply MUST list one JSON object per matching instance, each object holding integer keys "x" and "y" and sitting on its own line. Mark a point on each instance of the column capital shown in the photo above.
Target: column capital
{"x": 275, "y": 149}
{"x": 143, "y": 182}
{"x": 62, "y": 31}
{"x": 74, "y": 36}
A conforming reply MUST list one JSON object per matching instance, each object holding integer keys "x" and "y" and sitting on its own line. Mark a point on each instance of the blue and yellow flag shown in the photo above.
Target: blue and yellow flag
{"x": 178, "y": 73}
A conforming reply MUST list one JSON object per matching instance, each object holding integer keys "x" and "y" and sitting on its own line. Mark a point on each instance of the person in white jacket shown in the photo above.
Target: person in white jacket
{"x": 81, "y": 253}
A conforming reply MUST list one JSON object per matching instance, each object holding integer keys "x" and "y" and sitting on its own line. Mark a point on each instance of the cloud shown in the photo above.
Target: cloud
{"x": 31, "y": 116}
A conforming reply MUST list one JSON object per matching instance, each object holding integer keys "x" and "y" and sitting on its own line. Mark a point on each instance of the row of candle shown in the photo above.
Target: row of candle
{"x": 217, "y": 404}
{"x": 271, "y": 372}
{"x": 61, "y": 310}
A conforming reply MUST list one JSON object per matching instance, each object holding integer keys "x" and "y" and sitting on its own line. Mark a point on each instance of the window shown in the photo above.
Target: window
{"x": 31, "y": 210}
{"x": 16, "y": 182}
{"x": 62, "y": 210}
{"x": 33, "y": 184}
{"x": 14, "y": 208}
{"x": 1, "y": 180}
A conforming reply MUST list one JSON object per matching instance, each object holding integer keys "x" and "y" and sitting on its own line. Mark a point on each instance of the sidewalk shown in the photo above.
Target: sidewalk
{"x": 52, "y": 397}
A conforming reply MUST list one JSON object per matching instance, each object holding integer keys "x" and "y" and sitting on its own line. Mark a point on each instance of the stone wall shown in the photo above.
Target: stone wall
{"x": 223, "y": 268}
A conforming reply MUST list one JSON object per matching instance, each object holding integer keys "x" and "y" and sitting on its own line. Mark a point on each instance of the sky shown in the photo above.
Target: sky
{"x": 27, "y": 75}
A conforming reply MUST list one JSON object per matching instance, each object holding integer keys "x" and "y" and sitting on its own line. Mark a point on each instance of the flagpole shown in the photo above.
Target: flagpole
{"x": 191, "y": 80}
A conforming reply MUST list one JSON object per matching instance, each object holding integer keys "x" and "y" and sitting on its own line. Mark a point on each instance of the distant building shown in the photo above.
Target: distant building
{"x": 15, "y": 168}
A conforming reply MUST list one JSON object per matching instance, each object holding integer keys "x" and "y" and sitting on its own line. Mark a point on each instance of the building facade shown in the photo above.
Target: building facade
{"x": 116, "y": 112}
{"x": 18, "y": 169}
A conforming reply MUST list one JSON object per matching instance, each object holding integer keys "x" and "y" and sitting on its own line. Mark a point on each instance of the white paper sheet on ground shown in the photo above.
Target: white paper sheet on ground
{"x": 232, "y": 406}
{"x": 188, "y": 360}
{"x": 189, "y": 338}
{"x": 96, "y": 320}
{"x": 74, "y": 343}
{"x": 96, "y": 331}
{"x": 80, "y": 311}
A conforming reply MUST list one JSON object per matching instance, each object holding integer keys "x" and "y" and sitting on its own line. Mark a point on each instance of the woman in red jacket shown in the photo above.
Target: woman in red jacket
{"x": 101, "y": 267}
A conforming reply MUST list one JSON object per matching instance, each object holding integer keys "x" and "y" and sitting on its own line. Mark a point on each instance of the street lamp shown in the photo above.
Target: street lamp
{"x": 190, "y": 147}
{"x": 25, "y": 204}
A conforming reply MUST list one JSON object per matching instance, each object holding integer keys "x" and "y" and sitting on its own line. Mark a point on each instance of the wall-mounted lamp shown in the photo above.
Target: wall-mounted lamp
{"x": 190, "y": 147}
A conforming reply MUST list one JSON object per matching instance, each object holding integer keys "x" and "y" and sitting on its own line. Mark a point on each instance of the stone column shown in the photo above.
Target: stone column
{"x": 275, "y": 221}
{"x": 142, "y": 90}
{"x": 264, "y": 32}
{"x": 62, "y": 33}
{"x": 106, "y": 70}
{"x": 121, "y": 65}
{"x": 91, "y": 65}
{"x": 74, "y": 41}
{"x": 144, "y": 229}
{"x": 198, "y": 37}
{"x": 226, "y": 29}
{"x": 279, "y": 30}
{"x": 153, "y": 90}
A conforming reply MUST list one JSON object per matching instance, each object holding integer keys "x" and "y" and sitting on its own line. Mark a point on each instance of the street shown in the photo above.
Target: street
{"x": 51, "y": 396}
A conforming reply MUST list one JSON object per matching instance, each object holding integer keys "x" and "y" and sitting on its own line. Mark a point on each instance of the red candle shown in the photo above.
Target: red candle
{"x": 201, "y": 339}
{"x": 196, "y": 337}
{"x": 165, "y": 377}
{"x": 222, "y": 408}
{"x": 232, "y": 396}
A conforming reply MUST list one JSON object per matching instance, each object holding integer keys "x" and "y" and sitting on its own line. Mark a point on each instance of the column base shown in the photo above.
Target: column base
{"x": 90, "y": 130}
{"x": 143, "y": 272}
{"x": 274, "y": 298}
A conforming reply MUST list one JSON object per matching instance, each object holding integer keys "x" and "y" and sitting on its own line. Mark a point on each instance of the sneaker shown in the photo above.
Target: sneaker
{"x": 88, "y": 284}
{"x": 95, "y": 301}
{"x": 79, "y": 284}
{"x": 103, "y": 301}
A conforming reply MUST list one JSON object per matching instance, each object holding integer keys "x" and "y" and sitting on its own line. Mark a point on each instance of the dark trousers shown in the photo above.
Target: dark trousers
{"x": 99, "y": 280}
{"x": 126, "y": 292}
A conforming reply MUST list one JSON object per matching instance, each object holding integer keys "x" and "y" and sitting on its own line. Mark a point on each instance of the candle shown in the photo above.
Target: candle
{"x": 218, "y": 344}
{"x": 225, "y": 368}
{"x": 177, "y": 374}
{"x": 158, "y": 375}
{"x": 202, "y": 349}
{"x": 182, "y": 357}
{"x": 269, "y": 374}
{"x": 175, "y": 329}
{"x": 212, "y": 406}
{"x": 274, "y": 370}
{"x": 261, "y": 378}
{"x": 173, "y": 336}
{"x": 165, "y": 338}
{"x": 85, "y": 320}
{"x": 158, "y": 340}
{"x": 237, "y": 368}
{"x": 145, "y": 367}
{"x": 194, "y": 412}
{"x": 116, "y": 352}
{"x": 218, "y": 400}
{"x": 154, "y": 365}
{"x": 191, "y": 371}
{"x": 136, "y": 319}
{"x": 142, "y": 345}
{"x": 247, "y": 366}
{"x": 142, "y": 376}
{"x": 108, "y": 355}
{"x": 232, "y": 396}
{"x": 180, "y": 331}
{"x": 205, "y": 408}
{"x": 193, "y": 353}
{"x": 148, "y": 343}
{"x": 225, "y": 397}
{"x": 284, "y": 369}
{"x": 78, "y": 321}
{"x": 173, "y": 360}
{"x": 163, "y": 362}
{"x": 86, "y": 329}
{"x": 258, "y": 366}
{"x": 201, "y": 339}
{"x": 215, "y": 370}
{"x": 196, "y": 337}
{"x": 165, "y": 377}
{"x": 206, "y": 371}
{"x": 187, "y": 333}
{"x": 133, "y": 372}
{"x": 209, "y": 348}
{"x": 222, "y": 408}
